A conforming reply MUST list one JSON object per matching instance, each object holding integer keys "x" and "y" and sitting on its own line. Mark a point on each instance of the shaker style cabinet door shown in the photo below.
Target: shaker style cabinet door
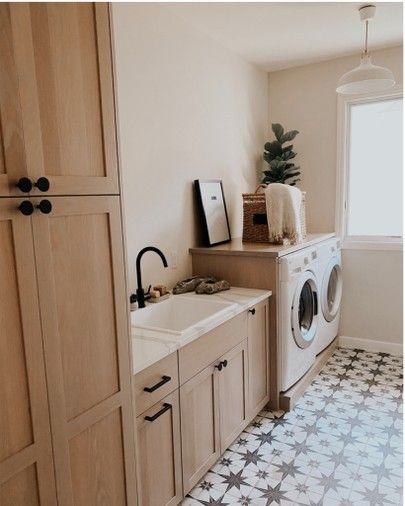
{"x": 233, "y": 403}
{"x": 26, "y": 466}
{"x": 199, "y": 404}
{"x": 259, "y": 357}
{"x": 159, "y": 453}
{"x": 81, "y": 282}
{"x": 56, "y": 99}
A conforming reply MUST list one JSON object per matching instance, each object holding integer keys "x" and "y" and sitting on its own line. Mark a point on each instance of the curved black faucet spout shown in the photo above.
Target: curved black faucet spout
{"x": 140, "y": 293}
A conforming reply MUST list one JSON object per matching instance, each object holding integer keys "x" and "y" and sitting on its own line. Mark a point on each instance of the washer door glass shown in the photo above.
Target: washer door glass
{"x": 332, "y": 290}
{"x": 304, "y": 312}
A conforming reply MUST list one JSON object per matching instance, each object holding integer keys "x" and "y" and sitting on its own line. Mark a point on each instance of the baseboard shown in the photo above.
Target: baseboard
{"x": 371, "y": 345}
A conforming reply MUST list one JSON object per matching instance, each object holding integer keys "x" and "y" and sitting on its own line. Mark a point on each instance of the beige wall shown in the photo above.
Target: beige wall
{"x": 304, "y": 98}
{"x": 188, "y": 109}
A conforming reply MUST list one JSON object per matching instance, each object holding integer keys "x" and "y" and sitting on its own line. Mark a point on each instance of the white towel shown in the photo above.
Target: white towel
{"x": 283, "y": 205}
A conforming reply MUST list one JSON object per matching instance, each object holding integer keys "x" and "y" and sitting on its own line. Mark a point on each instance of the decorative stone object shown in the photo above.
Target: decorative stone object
{"x": 190, "y": 284}
{"x": 211, "y": 287}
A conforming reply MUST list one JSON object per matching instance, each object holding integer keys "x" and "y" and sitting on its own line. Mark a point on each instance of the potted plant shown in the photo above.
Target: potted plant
{"x": 278, "y": 156}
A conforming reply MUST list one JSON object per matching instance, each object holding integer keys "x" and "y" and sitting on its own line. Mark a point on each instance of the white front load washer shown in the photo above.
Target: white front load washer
{"x": 297, "y": 315}
{"x": 331, "y": 285}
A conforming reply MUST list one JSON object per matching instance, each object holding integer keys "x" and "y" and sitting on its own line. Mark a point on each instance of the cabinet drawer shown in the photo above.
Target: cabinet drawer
{"x": 197, "y": 355}
{"x": 159, "y": 379}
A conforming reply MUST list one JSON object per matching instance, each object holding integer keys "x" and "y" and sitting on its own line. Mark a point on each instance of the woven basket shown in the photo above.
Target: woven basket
{"x": 255, "y": 228}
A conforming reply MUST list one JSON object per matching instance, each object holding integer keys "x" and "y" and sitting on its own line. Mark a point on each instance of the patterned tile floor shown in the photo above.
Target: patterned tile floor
{"x": 341, "y": 445}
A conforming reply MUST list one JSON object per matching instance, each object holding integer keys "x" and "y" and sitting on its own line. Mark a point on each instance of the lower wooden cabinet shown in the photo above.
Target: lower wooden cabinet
{"x": 159, "y": 453}
{"x": 177, "y": 445}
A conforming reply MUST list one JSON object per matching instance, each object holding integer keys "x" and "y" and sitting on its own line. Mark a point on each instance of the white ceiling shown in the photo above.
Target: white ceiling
{"x": 277, "y": 35}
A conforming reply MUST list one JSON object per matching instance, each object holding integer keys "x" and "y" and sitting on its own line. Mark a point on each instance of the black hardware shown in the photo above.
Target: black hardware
{"x": 42, "y": 184}
{"x": 140, "y": 293}
{"x": 26, "y": 207}
{"x": 252, "y": 311}
{"x": 24, "y": 184}
{"x": 166, "y": 406}
{"x": 225, "y": 363}
{"x": 219, "y": 366}
{"x": 315, "y": 295}
{"x": 45, "y": 206}
{"x": 164, "y": 380}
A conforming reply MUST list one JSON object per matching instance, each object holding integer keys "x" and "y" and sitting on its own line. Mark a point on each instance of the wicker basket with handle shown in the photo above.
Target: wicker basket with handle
{"x": 255, "y": 228}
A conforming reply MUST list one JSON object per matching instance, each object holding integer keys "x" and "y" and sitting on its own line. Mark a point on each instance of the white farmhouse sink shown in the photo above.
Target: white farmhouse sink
{"x": 179, "y": 313}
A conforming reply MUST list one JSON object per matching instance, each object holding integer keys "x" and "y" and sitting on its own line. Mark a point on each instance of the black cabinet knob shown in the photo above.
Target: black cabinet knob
{"x": 45, "y": 206}
{"x": 252, "y": 311}
{"x": 26, "y": 208}
{"x": 24, "y": 184}
{"x": 43, "y": 184}
{"x": 219, "y": 366}
{"x": 225, "y": 363}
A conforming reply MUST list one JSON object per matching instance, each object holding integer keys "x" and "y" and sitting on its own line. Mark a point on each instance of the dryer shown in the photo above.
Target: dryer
{"x": 331, "y": 285}
{"x": 298, "y": 315}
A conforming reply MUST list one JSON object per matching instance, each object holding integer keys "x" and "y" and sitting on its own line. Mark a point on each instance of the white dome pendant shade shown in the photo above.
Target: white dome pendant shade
{"x": 366, "y": 77}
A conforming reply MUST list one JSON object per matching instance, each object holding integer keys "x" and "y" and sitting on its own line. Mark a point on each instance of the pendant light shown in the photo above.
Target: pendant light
{"x": 366, "y": 77}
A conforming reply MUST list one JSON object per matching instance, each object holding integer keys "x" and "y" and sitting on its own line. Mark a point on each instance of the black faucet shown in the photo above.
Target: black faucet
{"x": 140, "y": 292}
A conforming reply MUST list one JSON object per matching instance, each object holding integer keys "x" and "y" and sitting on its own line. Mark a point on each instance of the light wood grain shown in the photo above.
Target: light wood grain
{"x": 24, "y": 418}
{"x": 201, "y": 447}
{"x": 259, "y": 358}
{"x": 152, "y": 375}
{"x": 203, "y": 351}
{"x": 12, "y": 154}
{"x": 21, "y": 489}
{"x": 248, "y": 272}
{"x": 233, "y": 401}
{"x": 61, "y": 54}
{"x": 83, "y": 304}
{"x": 159, "y": 455}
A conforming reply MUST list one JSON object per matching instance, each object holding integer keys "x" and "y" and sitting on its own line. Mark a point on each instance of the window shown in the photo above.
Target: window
{"x": 370, "y": 170}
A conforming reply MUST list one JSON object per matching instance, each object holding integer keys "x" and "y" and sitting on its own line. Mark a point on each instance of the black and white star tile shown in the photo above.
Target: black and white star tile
{"x": 340, "y": 446}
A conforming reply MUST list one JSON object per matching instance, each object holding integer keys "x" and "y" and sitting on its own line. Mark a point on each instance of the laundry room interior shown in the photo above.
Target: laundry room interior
{"x": 201, "y": 253}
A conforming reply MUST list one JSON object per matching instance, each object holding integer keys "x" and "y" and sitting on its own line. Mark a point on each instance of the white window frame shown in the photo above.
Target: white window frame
{"x": 342, "y": 174}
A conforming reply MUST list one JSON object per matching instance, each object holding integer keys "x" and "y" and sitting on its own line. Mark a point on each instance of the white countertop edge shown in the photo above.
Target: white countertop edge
{"x": 171, "y": 342}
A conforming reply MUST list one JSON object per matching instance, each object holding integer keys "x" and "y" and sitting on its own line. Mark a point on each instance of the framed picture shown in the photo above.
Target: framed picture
{"x": 212, "y": 211}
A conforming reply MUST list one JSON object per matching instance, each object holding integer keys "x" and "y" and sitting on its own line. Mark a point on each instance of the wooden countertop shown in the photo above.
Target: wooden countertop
{"x": 236, "y": 247}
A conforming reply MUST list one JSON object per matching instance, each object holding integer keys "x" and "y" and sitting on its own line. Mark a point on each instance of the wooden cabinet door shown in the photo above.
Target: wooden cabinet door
{"x": 26, "y": 467}
{"x": 233, "y": 409}
{"x": 84, "y": 314}
{"x": 199, "y": 425}
{"x": 159, "y": 453}
{"x": 56, "y": 98}
{"x": 259, "y": 357}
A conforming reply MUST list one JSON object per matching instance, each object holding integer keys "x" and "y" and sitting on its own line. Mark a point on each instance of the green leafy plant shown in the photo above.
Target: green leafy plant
{"x": 281, "y": 169}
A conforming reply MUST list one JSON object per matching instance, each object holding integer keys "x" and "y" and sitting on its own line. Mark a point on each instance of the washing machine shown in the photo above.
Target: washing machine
{"x": 331, "y": 285}
{"x": 298, "y": 314}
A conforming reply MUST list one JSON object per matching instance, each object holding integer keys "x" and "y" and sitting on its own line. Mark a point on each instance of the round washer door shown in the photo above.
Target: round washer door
{"x": 304, "y": 311}
{"x": 332, "y": 289}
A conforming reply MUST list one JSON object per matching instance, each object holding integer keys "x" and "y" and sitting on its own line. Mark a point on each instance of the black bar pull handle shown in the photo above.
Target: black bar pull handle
{"x": 164, "y": 380}
{"x": 166, "y": 406}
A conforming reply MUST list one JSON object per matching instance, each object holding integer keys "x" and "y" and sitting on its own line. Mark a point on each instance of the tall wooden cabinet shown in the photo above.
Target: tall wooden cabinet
{"x": 66, "y": 421}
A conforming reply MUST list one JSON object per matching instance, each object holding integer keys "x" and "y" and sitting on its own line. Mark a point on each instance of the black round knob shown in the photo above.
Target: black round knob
{"x": 225, "y": 363}
{"x": 45, "y": 206}
{"x": 219, "y": 366}
{"x": 24, "y": 184}
{"x": 43, "y": 184}
{"x": 26, "y": 208}
{"x": 252, "y": 311}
